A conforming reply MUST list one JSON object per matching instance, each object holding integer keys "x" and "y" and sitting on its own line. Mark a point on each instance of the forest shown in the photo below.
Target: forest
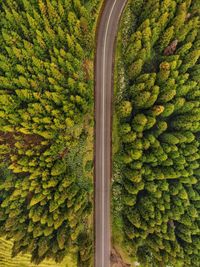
{"x": 46, "y": 127}
{"x": 156, "y": 190}
{"x": 24, "y": 260}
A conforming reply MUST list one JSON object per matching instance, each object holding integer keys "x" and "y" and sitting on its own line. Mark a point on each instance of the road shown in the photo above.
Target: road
{"x": 107, "y": 31}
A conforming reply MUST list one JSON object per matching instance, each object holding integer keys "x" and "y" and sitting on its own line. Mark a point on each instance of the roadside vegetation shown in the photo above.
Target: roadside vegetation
{"x": 156, "y": 189}
{"x": 46, "y": 127}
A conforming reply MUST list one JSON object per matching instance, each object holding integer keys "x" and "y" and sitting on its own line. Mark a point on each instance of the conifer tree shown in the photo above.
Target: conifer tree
{"x": 159, "y": 141}
{"x": 45, "y": 103}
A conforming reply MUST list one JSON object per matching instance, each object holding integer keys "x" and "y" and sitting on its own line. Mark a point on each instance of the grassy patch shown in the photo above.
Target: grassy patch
{"x": 24, "y": 260}
{"x": 119, "y": 90}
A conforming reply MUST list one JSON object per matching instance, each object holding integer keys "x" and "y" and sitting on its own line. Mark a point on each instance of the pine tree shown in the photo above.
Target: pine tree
{"x": 159, "y": 165}
{"x": 44, "y": 99}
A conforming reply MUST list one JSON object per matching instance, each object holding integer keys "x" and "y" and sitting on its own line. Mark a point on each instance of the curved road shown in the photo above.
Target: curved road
{"x": 107, "y": 32}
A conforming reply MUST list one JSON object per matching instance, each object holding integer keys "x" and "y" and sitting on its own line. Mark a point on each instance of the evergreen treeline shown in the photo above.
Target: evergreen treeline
{"x": 46, "y": 103}
{"x": 24, "y": 260}
{"x": 159, "y": 129}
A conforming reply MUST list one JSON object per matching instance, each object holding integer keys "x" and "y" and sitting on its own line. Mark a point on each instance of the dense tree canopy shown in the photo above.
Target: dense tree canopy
{"x": 159, "y": 115}
{"x": 46, "y": 103}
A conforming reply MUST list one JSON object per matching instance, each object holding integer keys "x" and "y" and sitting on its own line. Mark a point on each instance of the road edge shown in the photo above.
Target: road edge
{"x": 112, "y": 107}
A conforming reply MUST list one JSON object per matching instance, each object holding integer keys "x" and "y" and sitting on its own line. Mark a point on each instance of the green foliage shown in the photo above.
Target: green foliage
{"x": 46, "y": 96}
{"x": 125, "y": 109}
{"x": 22, "y": 260}
{"x": 158, "y": 163}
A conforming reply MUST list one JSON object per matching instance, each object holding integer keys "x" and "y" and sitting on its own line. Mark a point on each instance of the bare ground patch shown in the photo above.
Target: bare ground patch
{"x": 116, "y": 259}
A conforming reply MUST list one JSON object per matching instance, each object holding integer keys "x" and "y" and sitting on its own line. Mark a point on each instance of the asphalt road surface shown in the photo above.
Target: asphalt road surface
{"x": 107, "y": 32}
